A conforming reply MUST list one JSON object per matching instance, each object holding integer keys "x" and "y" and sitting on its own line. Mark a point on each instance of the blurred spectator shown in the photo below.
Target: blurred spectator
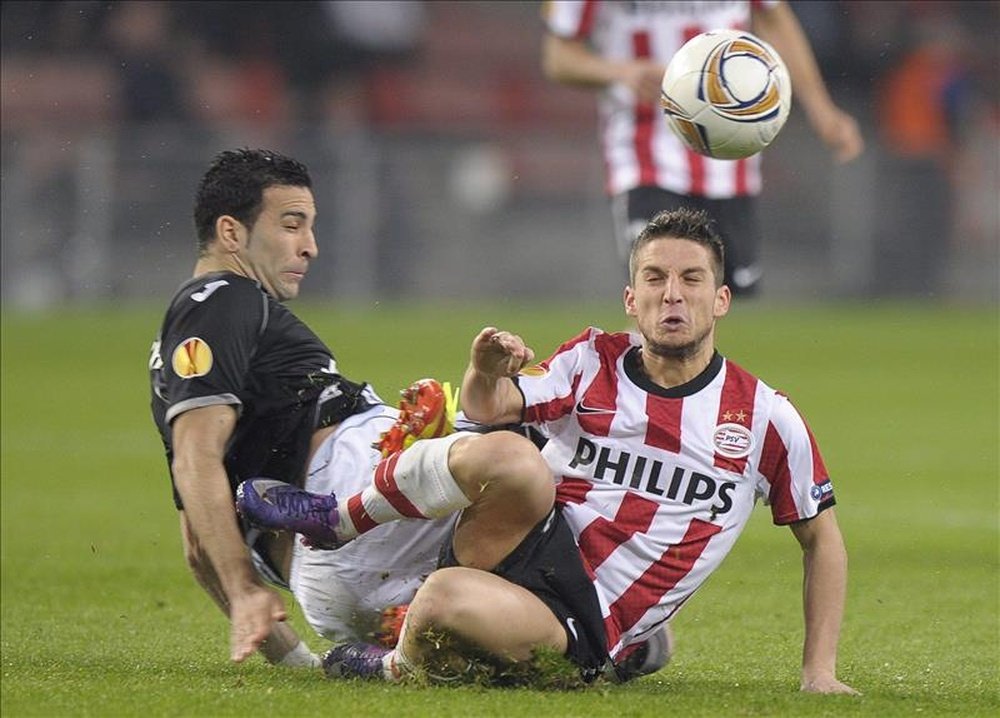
{"x": 45, "y": 28}
{"x": 141, "y": 41}
{"x": 922, "y": 104}
{"x": 293, "y": 54}
{"x": 371, "y": 38}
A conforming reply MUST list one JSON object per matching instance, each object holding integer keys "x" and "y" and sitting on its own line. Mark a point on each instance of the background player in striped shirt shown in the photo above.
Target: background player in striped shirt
{"x": 622, "y": 49}
{"x": 660, "y": 448}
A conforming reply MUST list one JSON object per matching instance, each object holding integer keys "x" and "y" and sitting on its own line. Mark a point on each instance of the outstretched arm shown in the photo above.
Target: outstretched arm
{"x": 216, "y": 551}
{"x": 824, "y": 588}
{"x": 778, "y": 25}
{"x": 488, "y": 395}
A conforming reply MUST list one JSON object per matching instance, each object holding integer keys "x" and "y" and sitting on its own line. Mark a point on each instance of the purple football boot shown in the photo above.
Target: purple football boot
{"x": 355, "y": 660}
{"x": 276, "y": 506}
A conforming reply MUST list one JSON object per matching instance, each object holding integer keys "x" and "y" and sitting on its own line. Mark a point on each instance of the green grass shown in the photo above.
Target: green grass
{"x": 100, "y": 616}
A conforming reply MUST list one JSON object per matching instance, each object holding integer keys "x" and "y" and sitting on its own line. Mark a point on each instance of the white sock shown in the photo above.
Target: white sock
{"x": 300, "y": 657}
{"x": 396, "y": 666}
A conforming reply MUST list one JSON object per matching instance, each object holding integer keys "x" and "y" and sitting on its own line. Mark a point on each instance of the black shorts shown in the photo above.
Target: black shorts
{"x": 736, "y": 221}
{"x": 548, "y": 564}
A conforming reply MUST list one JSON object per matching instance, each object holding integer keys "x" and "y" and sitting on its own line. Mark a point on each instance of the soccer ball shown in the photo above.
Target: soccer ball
{"x": 726, "y": 94}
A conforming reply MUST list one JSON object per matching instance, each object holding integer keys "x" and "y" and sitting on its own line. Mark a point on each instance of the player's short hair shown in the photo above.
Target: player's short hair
{"x": 682, "y": 223}
{"x": 234, "y": 185}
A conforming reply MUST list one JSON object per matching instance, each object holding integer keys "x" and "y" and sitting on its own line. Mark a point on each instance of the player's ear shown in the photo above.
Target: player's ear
{"x": 629, "y": 301}
{"x": 228, "y": 232}
{"x": 723, "y": 298}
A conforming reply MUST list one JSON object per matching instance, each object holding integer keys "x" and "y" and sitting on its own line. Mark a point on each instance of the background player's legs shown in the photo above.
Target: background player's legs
{"x": 738, "y": 224}
{"x": 633, "y": 209}
{"x": 736, "y": 221}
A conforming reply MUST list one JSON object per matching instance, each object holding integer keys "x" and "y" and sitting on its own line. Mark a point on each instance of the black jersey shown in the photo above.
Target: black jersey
{"x": 224, "y": 340}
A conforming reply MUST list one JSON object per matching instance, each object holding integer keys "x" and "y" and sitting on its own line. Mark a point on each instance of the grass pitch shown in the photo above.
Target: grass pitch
{"x": 101, "y": 618}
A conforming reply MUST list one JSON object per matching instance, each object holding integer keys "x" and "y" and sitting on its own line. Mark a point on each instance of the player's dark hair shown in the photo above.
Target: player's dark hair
{"x": 234, "y": 185}
{"x": 682, "y": 223}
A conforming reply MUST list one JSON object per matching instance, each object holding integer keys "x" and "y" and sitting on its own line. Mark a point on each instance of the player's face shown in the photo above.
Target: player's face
{"x": 281, "y": 243}
{"x": 674, "y": 299}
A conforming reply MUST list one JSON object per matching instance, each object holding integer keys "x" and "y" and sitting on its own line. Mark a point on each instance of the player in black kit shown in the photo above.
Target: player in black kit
{"x": 240, "y": 386}
{"x": 244, "y": 395}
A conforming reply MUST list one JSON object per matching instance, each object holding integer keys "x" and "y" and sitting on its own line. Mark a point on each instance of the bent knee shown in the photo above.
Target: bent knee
{"x": 503, "y": 459}
{"x": 443, "y": 600}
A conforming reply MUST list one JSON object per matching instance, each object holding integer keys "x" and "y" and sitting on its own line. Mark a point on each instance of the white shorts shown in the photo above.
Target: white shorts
{"x": 342, "y": 592}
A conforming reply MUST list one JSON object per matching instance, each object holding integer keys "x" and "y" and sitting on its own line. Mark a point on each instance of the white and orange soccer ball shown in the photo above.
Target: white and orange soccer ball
{"x": 726, "y": 94}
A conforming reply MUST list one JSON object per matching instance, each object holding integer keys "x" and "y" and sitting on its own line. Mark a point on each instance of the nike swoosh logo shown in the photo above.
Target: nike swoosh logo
{"x": 581, "y": 408}
{"x": 571, "y": 625}
{"x": 552, "y": 517}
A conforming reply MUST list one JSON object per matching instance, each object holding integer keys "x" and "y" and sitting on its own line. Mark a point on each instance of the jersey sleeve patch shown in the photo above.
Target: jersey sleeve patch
{"x": 192, "y": 358}
{"x": 822, "y": 491}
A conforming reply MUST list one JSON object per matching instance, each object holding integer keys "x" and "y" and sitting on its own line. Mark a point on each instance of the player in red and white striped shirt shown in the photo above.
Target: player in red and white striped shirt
{"x": 660, "y": 447}
{"x": 622, "y": 49}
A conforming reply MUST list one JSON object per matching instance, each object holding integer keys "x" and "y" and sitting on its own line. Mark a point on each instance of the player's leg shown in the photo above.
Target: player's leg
{"x": 500, "y": 475}
{"x": 511, "y": 490}
{"x": 342, "y": 592}
{"x": 737, "y": 222}
{"x": 458, "y": 616}
{"x": 481, "y": 609}
{"x": 453, "y": 622}
{"x": 632, "y": 210}
{"x": 498, "y": 480}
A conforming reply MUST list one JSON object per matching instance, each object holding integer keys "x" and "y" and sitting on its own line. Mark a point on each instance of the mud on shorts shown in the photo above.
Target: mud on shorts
{"x": 548, "y": 564}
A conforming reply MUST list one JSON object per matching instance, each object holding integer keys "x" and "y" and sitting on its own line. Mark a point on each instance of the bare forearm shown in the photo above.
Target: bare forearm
{"x": 824, "y": 587}
{"x": 208, "y": 505}
{"x": 570, "y": 62}
{"x": 781, "y": 28}
{"x": 485, "y": 397}
{"x": 838, "y": 129}
{"x": 488, "y": 394}
{"x": 824, "y": 590}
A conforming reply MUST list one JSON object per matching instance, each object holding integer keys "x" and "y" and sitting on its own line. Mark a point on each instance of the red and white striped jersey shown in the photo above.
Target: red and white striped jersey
{"x": 658, "y": 483}
{"x": 638, "y": 146}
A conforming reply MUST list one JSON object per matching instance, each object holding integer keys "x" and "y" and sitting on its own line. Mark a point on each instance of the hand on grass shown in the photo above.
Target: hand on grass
{"x": 825, "y": 683}
{"x": 251, "y": 616}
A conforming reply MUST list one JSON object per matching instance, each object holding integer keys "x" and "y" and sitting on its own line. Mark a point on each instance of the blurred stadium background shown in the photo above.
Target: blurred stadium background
{"x": 446, "y": 166}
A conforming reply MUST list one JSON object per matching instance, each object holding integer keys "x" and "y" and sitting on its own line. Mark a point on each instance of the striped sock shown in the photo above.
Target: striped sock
{"x": 415, "y": 483}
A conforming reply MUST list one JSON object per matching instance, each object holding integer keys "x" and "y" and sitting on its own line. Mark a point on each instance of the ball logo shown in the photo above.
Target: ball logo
{"x": 692, "y": 133}
{"x": 714, "y": 89}
{"x": 191, "y": 358}
{"x": 534, "y": 370}
{"x": 733, "y": 440}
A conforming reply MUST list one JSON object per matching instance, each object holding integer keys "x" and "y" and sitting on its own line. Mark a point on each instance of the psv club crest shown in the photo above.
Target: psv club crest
{"x": 734, "y": 441}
